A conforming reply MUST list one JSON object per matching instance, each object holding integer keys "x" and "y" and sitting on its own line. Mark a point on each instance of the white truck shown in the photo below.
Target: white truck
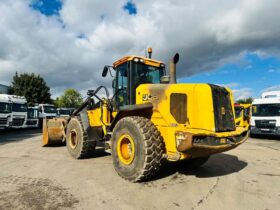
{"x": 46, "y": 111}
{"x": 265, "y": 118}
{"x": 63, "y": 112}
{"x": 5, "y": 111}
{"x": 32, "y": 117}
{"x": 19, "y": 111}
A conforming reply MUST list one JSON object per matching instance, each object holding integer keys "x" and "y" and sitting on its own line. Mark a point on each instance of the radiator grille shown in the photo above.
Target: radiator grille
{"x": 3, "y": 121}
{"x": 223, "y": 112}
{"x": 265, "y": 123}
{"x": 18, "y": 122}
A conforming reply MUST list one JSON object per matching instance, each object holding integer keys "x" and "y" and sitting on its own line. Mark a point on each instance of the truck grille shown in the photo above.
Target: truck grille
{"x": 223, "y": 112}
{"x": 31, "y": 122}
{"x": 3, "y": 121}
{"x": 265, "y": 123}
{"x": 18, "y": 121}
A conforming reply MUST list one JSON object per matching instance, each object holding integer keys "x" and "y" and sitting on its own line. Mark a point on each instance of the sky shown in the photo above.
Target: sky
{"x": 234, "y": 43}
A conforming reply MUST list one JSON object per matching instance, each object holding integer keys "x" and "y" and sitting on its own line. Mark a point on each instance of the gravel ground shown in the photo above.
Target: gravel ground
{"x": 35, "y": 177}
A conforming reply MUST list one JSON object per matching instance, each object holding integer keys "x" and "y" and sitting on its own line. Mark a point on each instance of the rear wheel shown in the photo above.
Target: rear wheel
{"x": 137, "y": 148}
{"x": 196, "y": 162}
{"x": 78, "y": 144}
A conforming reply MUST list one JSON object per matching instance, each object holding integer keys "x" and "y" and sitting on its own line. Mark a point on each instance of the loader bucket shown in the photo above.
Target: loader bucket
{"x": 54, "y": 131}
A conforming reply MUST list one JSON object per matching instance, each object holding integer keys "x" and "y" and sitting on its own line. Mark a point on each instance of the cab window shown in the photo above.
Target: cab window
{"x": 121, "y": 87}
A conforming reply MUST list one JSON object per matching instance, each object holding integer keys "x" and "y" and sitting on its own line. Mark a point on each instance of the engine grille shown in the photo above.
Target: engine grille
{"x": 223, "y": 112}
{"x": 178, "y": 107}
{"x": 18, "y": 121}
{"x": 3, "y": 121}
{"x": 265, "y": 123}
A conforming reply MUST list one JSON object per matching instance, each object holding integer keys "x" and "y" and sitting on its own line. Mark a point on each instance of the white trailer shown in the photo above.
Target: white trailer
{"x": 32, "y": 117}
{"x": 5, "y": 111}
{"x": 266, "y": 114}
{"x": 19, "y": 111}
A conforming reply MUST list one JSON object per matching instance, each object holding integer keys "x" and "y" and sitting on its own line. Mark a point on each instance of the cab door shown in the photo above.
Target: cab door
{"x": 121, "y": 86}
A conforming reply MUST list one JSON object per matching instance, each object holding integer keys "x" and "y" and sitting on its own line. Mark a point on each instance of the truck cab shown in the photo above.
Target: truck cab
{"x": 5, "y": 111}
{"x": 266, "y": 114}
{"x": 46, "y": 111}
{"x": 63, "y": 112}
{"x": 32, "y": 117}
{"x": 19, "y": 111}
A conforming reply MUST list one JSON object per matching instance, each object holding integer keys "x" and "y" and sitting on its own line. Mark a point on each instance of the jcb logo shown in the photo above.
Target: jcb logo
{"x": 147, "y": 97}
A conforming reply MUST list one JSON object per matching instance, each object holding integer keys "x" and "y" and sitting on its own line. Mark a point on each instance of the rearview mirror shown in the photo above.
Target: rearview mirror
{"x": 105, "y": 71}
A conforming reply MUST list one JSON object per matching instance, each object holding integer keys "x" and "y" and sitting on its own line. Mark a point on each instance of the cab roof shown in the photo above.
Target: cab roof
{"x": 145, "y": 60}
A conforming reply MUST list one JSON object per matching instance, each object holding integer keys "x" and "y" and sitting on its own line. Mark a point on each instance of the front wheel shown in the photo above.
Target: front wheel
{"x": 137, "y": 148}
{"x": 77, "y": 142}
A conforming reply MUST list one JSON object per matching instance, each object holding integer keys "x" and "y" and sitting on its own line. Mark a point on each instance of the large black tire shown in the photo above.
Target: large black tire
{"x": 196, "y": 162}
{"x": 78, "y": 144}
{"x": 148, "y": 148}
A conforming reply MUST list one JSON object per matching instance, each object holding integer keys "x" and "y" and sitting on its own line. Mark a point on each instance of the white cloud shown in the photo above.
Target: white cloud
{"x": 242, "y": 93}
{"x": 271, "y": 88}
{"x": 206, "y": 34}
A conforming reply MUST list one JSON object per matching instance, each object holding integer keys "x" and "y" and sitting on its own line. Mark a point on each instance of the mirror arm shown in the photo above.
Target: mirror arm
{"x": 110, "y": 72}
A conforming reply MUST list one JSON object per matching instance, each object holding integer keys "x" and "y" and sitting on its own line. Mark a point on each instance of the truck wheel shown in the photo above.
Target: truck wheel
{"x": 77, "y": 141}
{"x": 196, "y": 162}
{"x": 137, "y": 148}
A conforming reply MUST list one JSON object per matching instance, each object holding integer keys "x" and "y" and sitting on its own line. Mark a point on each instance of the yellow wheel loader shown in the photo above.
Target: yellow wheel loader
{"x": 148, "y": 119}
{"x": 242, "y": 115}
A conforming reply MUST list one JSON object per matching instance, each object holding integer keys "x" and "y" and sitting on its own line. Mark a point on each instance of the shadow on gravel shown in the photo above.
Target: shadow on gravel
{"x": 10, "y": 136}
{"x": 217, "y": 165}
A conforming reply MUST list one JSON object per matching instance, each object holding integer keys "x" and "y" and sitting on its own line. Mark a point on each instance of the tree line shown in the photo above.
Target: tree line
{"x": 36, "y": 91}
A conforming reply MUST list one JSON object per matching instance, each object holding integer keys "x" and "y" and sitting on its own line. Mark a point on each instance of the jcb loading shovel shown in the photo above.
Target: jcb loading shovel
{"x": 54, "y": 131}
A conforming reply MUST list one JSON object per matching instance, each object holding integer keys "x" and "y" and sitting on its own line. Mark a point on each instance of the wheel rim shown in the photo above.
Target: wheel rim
{"x": 125, "y": 149}
{"x": 73, "y": 139}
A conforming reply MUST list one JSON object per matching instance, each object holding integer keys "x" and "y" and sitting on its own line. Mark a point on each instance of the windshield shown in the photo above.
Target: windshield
{"x": 147, "y": 74}
{"x": 5, "y": 107}
{"x": 32, "y": 113}
{"x": 266, "y": 110}
{"x": 64, "y": 112}
{"x": 50, "y": 109}
{"x": 19, "y": 107}
{"x": 238, "y": 111}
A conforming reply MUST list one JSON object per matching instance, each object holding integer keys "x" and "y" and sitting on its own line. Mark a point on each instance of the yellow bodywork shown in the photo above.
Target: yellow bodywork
{"x": 240, "y": 120}
{"x": 200, "y": 118}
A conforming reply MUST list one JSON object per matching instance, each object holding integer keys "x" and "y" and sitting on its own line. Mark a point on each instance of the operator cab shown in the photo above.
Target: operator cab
{"x": 131, "y": 71}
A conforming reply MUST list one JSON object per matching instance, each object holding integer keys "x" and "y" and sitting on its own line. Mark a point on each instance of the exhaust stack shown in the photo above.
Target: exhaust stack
{"x": 172, "y": 68}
